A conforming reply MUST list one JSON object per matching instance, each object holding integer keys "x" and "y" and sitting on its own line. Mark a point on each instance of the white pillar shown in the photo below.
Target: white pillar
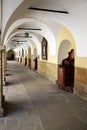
{"x": 1, "y": 82}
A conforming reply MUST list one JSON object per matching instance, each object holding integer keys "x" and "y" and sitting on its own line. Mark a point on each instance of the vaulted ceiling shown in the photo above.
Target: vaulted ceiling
{"x": 20, "y": 17}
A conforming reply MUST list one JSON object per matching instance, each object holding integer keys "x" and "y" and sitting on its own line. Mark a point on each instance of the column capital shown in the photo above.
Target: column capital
{"x": 2, "y": 48}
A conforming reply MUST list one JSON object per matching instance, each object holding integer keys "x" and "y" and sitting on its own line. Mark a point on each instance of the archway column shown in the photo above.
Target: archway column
{"x": 4, "y": 64}
{"x": 2, "y": 48}
{"x": 20, "y": 59}
{"x": 29, "y": 58}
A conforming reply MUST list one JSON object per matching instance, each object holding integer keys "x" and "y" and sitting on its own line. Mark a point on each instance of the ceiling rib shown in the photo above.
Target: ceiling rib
{"x": 48, "y": 10}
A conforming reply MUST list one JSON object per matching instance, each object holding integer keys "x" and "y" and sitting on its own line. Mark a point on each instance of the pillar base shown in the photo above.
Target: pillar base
{"x": 1, "y": 112}
{"x": 4, "y": 82}
{"x": 2, "y": 107}
{"x": 3, "y": 101}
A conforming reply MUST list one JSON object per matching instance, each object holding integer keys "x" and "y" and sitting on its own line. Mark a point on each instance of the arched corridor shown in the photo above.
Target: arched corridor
{"x": 45, "y": 86}
{"x": 35, "y": 103}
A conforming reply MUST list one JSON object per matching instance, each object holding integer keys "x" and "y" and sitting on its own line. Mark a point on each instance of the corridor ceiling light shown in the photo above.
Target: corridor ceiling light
{"x": 23, "y": 36}
{"x": 18, "y": 41}
{"x": 49, "y": 10}
{"x": 36, "y": 29}
{"x": 21, "y": 41}
{"x": 26, "y": 35}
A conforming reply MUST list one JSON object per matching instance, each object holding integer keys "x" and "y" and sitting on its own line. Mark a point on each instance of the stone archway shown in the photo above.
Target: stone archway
{"x": 10, "y": 55}
{"x": 66, "y": 71}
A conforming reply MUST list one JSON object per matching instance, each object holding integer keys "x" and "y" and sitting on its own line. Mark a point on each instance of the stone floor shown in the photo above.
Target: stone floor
{"x": 35, "y": 103}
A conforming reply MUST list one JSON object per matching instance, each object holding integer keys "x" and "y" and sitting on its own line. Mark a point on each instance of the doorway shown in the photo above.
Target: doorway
{"x": 66, "y": 66}
{"x": 35, "y": 59}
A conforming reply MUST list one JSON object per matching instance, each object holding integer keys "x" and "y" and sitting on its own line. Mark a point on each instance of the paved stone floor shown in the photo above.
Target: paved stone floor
{"x": 35, "y": 103}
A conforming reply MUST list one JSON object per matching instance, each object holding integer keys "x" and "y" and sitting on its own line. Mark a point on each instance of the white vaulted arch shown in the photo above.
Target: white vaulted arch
{"x": 45, "y": 31}
{"x": 34, "y": 39}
